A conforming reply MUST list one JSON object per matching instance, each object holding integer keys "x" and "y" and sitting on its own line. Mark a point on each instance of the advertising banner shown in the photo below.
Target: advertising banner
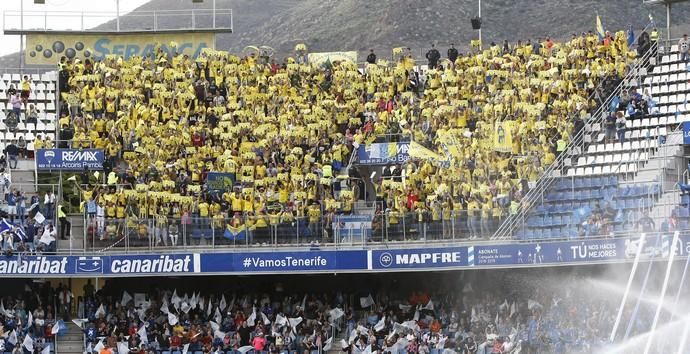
{"x": 69, "y": 159}
{"x": 45, "y": 49}
{"x": 328, "y": 261}
{"x": 383, "y": 153}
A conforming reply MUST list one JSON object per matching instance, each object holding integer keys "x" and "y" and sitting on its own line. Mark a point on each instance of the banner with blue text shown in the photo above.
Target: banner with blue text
{"x": 534, "y": 254}
{"x": 69, "y": 159}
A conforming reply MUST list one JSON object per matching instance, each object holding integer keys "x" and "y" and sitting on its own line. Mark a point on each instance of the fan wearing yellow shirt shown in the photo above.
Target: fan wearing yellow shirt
{"x": 314, "y": 218}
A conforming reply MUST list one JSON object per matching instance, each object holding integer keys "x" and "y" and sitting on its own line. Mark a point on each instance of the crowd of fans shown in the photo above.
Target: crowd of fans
{"x": 30, "y": 320}
{"x": 283, "y": 132}
{"x": 522, "y": 314}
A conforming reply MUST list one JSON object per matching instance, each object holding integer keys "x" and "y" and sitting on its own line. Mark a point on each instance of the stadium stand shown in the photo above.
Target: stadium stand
{"x": 623, "y": 162}
{"x": 286, "y": 133}
{"x": 482, "y": 315}
{"x": 40, "y": 120}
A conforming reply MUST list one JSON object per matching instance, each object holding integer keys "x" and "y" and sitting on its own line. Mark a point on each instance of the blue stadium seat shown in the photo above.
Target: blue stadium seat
{"x": 685, "y": 199}
{"x": 613, "y": 180}
{"x": 579, "y": 183}
{"x": 177, "y": 352}
{"x": 198, "y": 352}
{"x": 683, "y": 224}
{"x": 596, "y": 182}
{"x": 630, "y": 203}
{"x": 683, "y": 213}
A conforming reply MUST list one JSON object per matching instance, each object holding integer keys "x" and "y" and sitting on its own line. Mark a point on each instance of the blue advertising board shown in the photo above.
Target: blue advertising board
{"x": 301, "y": 261}
{"x": 383, "y": 153}
{"x": 328, "y": 261}
{"x": 419, "y": 258}
{"x": 686, "y": 133}
{"x": 69, "y": 159}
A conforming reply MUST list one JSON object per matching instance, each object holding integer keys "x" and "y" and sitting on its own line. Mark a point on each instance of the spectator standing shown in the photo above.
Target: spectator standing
{"x": 49, "y": 203}
{"x": 65, "y": 225}
{"x": 452, "y": 53}
{"x": 26, "y": 90}
{"x": 683, "y": 47}
{"x": 620, "y": 127}
{"x": 433, "y": 56}
{"x": 646, "y": 223}
{"x": 610, "y": 125}
{"x": 16, "y": 102}
{"x": 371, "y": 58}
{"x": 12, "y": 152}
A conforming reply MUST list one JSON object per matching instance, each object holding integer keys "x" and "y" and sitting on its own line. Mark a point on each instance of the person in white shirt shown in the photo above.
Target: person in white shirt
{"x": 100, "y": 220}
{"x": 684, "y": 48}
{"x": 49, "y": 203}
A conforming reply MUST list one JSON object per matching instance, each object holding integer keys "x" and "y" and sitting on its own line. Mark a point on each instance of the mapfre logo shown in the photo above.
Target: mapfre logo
{"x": 386, "y": 259}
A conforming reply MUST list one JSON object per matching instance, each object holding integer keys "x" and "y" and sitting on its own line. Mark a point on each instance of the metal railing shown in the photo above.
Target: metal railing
{"x": 132, "y": 235}
{"x": 575, "y": 148}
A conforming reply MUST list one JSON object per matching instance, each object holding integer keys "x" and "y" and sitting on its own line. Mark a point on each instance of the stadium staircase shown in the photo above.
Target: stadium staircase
{"x": 634, "y": 176}
{"x": 72, "y": 341}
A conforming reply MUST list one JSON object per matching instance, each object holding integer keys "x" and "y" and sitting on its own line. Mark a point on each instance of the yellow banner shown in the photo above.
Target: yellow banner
{"x": 503, "y": 136}
{"x": 43, "y": 49}
{"x": 418, "y": 151}
{"x": 322, "y": 58}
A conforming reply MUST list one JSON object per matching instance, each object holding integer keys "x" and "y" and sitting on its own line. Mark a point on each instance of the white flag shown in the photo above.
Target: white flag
{"x": 513, "y": 309}
{"x": 304, "y": 302}
{"x": 185, "y": 307}
{"x": 28, "y": 343}
{"x": 336, "y": 313}
{"x": 294, "y": 322}
{"x": 416, "y": 315}
{"x": 404, "y": 308}
{"x": 366, "y": 301}
{"x": 122, "y": 348}
{"x": 125, "y": 298}
{"x": 172, "y": 319}
{"x": 245, "y": 349}
{"x": 380, "y": 325}
{"x": 2, "y": 308}
{"x": 13, "y": 338}
{"x": 467, "y": 288}
{"x": 98, "y": 347}
{"x": 193, "y": 301}
{"x": 214, "y": 325}
{"x": 504, "y": 306}
{"x": 531, "y": 304}
{"x": 218, "y": 317}
{"x": 185, "y": 348}
{"x": 222, "y": 304}
{"x": 209, "y": 309}
{"x": 30, "y": 320}
{"x": 101, "y": 311}
{"x": 280, "y": 320}
{"x": 56, "y": 328}
{"x": 175, "y": 300}
{"x": 80, "y": 321}
{"x": 251, "y": 320}
{"x": 164, "y": 307}
{"x": 142, "y": 334}
{"x": 265, "y": 319}
{"x": 46, "y": 238}
{"x": 367, "y": 350}
{"x": 343, "y": 344}
{"x": 46, "y": 349}
{"x": 328, "y": 345}
{"x": 429, "y": 306}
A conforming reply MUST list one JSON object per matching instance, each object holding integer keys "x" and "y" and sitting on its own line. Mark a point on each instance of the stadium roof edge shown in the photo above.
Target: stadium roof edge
{"x": 100, "y": 32}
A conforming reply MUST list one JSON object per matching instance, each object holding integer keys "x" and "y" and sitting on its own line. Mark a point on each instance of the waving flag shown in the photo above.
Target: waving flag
{"x": 235, "y": 233}
{"x": 125, "y": 298}
{"x": 631, "y": 36}
{"x": 5, "y": 226}
{"x": 600, "y": 29}
{"x": 366, "y": 301}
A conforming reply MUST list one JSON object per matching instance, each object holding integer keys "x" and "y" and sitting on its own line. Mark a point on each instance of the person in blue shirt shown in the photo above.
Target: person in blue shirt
{"x": 12, "y": 206}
